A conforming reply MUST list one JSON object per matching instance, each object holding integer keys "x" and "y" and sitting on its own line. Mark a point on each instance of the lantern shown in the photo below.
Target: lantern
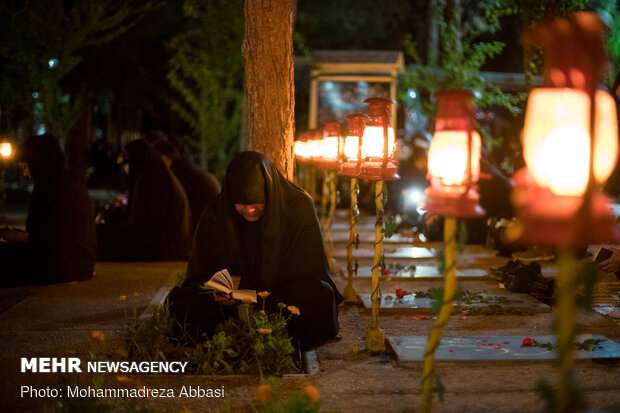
{"x": 570, "y": 141}
{"x": 301, "y": 148}
{"x": 6, "y": 150}
{"x": 331, "y": 146}
{"x": 454, "y": 158}
{"x": 315, "y": 142}
{"x": 352, "y": 146}
{"x": 378, "y": 142}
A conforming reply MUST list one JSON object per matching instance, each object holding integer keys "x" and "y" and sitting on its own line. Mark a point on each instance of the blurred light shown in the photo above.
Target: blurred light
{"x": 52, "y": 63}
{"x": 412, "y": 94}
{"x": 35, "y": 95}
{"x": 6, "y": 150}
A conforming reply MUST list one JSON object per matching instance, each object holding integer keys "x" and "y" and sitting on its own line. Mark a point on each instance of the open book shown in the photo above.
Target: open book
{"x": 601, "y": 255}
{"x": 223, "y": 282}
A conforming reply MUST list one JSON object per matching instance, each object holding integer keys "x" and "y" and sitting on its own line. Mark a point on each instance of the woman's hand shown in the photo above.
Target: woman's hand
{"x": 611, "y": 264}
{"x": 226, "y": 299}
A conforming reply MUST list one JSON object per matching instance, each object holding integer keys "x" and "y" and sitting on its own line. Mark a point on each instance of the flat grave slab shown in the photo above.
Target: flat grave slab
{"x": 418, "y": 272}
{"x": 389, "y": 252}
{"x": 368, "y": 237}
{"x": 410, "y": 349}
{"x": 410, "y": 304}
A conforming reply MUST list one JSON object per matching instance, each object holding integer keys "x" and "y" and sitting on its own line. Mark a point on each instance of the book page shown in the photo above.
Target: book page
{"x": 245, "y": 295}
{"x": 221, "y": 281}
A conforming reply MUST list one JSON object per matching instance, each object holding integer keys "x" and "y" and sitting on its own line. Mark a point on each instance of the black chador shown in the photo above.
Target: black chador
{"x": 282, "y": 252}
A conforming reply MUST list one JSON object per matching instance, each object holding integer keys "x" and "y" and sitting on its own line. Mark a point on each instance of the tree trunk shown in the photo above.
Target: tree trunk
{"x": 79, "y": 139}
{"x": 268, "y": 58}
{"x": 432, "y": 45}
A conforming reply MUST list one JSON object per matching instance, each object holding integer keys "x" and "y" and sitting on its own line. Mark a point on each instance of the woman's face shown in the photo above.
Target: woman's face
{"x": 251, "y": 212}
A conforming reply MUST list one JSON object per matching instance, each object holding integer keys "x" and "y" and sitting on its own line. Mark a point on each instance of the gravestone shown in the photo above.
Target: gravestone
{"x": 410, "y": 304}
{"x": 410, "y": 349}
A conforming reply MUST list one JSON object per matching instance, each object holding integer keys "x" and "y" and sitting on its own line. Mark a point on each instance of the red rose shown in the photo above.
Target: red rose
{"x": 400, "y": 293}
{"x": 386, "y": 272}
{"x": 527, "y": 342}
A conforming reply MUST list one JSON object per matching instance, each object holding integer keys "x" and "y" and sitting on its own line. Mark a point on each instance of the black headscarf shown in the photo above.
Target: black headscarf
{"x": 288, "y": 235}
{"x": 44, "y": 157}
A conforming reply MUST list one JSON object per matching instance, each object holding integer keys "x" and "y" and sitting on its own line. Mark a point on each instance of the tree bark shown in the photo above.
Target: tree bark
{"x": 432, "y": 45}
{"x": 268, "y": 58}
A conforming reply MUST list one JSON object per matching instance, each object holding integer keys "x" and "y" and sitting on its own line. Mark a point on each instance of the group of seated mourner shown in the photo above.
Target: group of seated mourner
{"x": 261, "y": 227}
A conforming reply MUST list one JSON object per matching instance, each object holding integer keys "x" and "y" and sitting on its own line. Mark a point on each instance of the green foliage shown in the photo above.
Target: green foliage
{"x": 254, "y": 342}
{"x": 206, "y": 69}
{"x": 154, "y": 339}
{"x": 462, "y": 57}
{"x": 46, "y": 40}
{"x": 389, "y": 227}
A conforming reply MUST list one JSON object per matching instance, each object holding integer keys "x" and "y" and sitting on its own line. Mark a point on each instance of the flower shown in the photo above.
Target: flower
{"x": 263, "y": 393}
{"x": 293, "y": 309}
{"x": 400, "y": 293}
{"x": 527, "y": 342}
{"x": 123, "y": 297}
{"x": 97, "y": 335}
{"x": 264, "y": 330}
{"x": 386, "y": 272}
{"x": 263, "y": 294}
{"x": 281, "y": 305}
{"x": 312, "y": 393}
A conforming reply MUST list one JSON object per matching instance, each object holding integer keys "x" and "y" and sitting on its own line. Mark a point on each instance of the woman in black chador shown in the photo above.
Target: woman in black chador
{"x": 156, "y": 226}
{"x": 264, "y": 230}
{"x": 59, "y": 242}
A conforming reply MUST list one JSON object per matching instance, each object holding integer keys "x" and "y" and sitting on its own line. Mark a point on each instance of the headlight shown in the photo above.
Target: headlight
{"x": 412, "y": 197}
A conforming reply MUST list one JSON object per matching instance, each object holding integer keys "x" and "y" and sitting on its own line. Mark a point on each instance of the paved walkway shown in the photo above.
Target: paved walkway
{"x": 58, "y": 320}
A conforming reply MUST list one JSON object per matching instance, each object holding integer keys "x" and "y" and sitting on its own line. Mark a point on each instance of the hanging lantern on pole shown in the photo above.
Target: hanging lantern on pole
{"x": 378, "y": 142}
{"x": 453, "y": 170}
{"x": 352, "y": 168}
{"x": 570, "y": 146}
{"x": 377, "y": 149}
{"x": 454, "y": 158}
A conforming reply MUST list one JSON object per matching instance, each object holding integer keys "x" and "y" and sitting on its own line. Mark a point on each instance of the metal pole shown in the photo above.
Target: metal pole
{"x": 350, "y": 295}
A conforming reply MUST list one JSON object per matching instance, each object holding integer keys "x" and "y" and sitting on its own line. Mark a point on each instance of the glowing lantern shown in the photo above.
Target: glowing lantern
{"x": 570, "y": 142}
{"x": 6, "y": 150}
{"x": 315, "y": 141}
{"x": 454, "y": 158}
{"x": 352, "y": 147}
{"x": 378, "y": 142}
{"x": 301, "y": 148}
{"x": 331, "y": 146}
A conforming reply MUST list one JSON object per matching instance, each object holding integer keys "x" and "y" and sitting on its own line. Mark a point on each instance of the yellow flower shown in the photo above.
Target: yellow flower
{"x": 264, "y": 330}
{"x": 261, "y": 312}
{"x": 263, "y": 393}
{"x": 263, "y": 294}
{"x": 312, "y": 393}
{"x": 97, "y": 335}
{"x": 123, "y": 297}
{"x": 293, "y": 309}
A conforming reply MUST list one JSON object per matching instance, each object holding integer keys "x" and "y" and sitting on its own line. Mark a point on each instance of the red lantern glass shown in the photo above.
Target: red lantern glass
{"x": 378, "y": 142}
{"x": 454, "y": 158}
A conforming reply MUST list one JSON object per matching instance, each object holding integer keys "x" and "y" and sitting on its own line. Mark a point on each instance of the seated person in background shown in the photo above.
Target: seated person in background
{"x": 199, "y": 185}
{"x": 59, "y": 242}
{"x": 156, "y": 226}
{"x": 264, "y": 230}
